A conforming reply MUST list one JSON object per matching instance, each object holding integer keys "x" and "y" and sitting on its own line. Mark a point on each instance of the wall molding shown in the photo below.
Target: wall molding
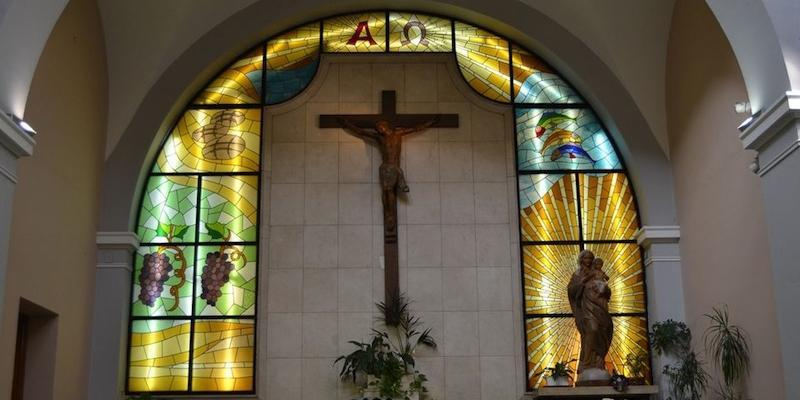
{"x": 9, "y": 174}
{"x": 117, "y": 240}
{"x": 771, "y": 122}
{"x": 650, "y": 234}
{"x": 13, "y": 138}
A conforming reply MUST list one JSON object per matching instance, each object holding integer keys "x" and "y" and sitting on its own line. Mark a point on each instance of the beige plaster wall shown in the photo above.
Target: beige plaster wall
{"x": 724, "y": 247}
{"x": 52, "y": 252}
{"x": 457, "y": 239}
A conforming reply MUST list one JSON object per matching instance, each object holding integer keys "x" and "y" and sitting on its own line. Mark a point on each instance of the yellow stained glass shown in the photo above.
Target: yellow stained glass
{"x": 549, "y": 268}
{"x": 159, "y": 356}
{"x": 607, "y": 207}
{"x": 552, "y": 340}
{"x": 410, "y": 32}
{"x": 355, "y": 33}
{"x": 213, "y": 141}
{"x": 223, "y": 355}
{"x": 240, "y": 83}
{"x": 292, "y": 60}
{"x": 484, "y": 61}
{"x": 548, "y": 207}
{"x": 536, "y": 82}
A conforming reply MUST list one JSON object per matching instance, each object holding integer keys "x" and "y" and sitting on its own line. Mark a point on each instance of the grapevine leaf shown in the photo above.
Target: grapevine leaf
{"x": 180, "y": 231}
{"x": 162, "y": 230}
{"x": 216, "y": 230}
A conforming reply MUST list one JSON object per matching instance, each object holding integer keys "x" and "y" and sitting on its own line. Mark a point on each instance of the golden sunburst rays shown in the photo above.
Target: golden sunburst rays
{"x": 484, "y": 61}
{"x": 630, "y": 337}
{"x": 547, "y": 270}
{"x": 355, "y": 33}
{"x": 411, "y": 32}
{"x": 548, "y": 207}
{"x": 232, "y": 144}
{"x": 607, "y": 207}
{"x": 239, "y": 84}
{"x": 548, "y": 341}
{"x": 623, "y": 265}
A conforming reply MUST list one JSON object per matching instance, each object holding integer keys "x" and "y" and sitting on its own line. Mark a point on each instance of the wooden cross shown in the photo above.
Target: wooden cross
{"x": 386, "y": 130}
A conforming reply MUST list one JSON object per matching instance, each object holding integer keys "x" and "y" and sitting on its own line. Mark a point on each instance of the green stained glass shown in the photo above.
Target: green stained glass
{"x": 229, "y": 208}
{"x": 162, "y": 281}
{"x": 168, "y": 210}
{"x": 226, "y": 280}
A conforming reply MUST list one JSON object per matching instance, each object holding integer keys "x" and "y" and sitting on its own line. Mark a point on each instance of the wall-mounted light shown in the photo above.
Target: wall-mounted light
{"x": 749, "y": 121}
{"x": 23, "y": 125}
{"x": 742, "y": 107}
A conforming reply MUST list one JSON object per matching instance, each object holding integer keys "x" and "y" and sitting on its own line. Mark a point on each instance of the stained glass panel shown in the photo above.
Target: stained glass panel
{"x": 548, "y": 207}
{"x": 607, "y": 207}
{"x": 549, "y": 139}
{"x": 484, "y": 61}
{"x": 168, "y": 210}
{"x": 213, "y": 141}
{"x": 239, "y": 84}
{"x": 548, "y": 269}
{"x": 623, "y": 265}
{"x": 159, "y": 356}
{"x": 551, "y": 340}
{"x": 355, "y": 33}
{"x": 229, "y": 208}
{"x": 223, "y": 355}
{"x": 226, "y": 280}
{"x": 163, "y": 281}
{"x": 536, "y": 82}
{"x": 410, "y": 32}
{"x": 292, "y": 60}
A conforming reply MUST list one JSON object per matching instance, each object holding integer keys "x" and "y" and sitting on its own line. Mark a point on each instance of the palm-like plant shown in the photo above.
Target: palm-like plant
{"x": 728, "y": 345}
{"x": 688, "y": 380}
{"x": 408, "y": 333}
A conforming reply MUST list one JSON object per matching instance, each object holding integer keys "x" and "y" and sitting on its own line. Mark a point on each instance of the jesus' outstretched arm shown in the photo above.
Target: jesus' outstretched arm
{"x": 357, "y": 131}
{"x": 418, "y": 128}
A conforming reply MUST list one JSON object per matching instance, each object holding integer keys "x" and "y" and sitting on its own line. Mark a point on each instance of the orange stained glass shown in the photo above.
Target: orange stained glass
{"x": 549, "y": 268}
{"x": 607, "y": 207}
{"x": 355, "y": 33}
{"x": 223, "y": 355}
{"x": 484, "y": 61}
{"x": 410, "y": 32}
{"x": 552, "y": 340}
{"x": 240, "y": 83}
{"x": 536, "y": 82}
{"x": 548, "y": 207}
{"x": 159, "y": 356}
{"x": 213, "y": 141}
{"x": 622, "y": 262}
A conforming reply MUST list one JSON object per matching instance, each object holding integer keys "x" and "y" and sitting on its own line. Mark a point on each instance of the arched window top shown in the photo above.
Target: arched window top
{"x": 195, "y": 277}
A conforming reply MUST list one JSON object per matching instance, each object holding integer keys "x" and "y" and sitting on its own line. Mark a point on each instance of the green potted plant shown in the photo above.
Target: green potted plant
{"x": 636, "y": 363}
{"x": 687, "y": 378}
{"x": 386, "y": 363}
{"x": 559, "y": 374}
{"x": 728, "y": 346}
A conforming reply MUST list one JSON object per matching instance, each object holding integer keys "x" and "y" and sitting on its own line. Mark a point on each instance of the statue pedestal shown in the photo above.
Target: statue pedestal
{"x": 593, "y": 392}
{"x": 593, "y": 377}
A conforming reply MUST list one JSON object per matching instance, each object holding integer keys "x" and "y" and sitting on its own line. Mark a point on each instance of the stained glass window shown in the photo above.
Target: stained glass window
{"x": 355, "y": 33}
{"x": 410, "y": 32}
{"x": 536, "y": 82}
{"x": 240, "y": 83}
{"x": 292, "y": 60}
{"x": 484, "y": 61}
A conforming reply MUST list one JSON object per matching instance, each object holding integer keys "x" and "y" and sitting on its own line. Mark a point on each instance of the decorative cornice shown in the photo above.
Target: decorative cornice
{"x": 117, "y": 240}
{"x": 13, "y": 138}
{"x": 647, "y": 235}
{"x": 771, "y": 121}
{"x": 650, "y": 260}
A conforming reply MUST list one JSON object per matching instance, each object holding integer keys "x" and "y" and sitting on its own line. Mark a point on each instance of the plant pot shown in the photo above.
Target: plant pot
{"x": 559, "y": 381}
{"x": 405, "y": 383}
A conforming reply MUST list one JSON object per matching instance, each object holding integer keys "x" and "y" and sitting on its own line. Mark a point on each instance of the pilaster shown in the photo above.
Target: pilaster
{"x": 775, "y": 135}
{"x": 664, "y": 284}
{"x": 111, "y": 307}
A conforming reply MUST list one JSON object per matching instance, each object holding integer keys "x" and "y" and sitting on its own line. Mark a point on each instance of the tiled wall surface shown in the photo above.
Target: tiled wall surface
{"x": 323, "y": 234}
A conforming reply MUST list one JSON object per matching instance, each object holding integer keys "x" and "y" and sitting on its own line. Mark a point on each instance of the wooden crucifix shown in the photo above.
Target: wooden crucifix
{"x": 386, "y": 130}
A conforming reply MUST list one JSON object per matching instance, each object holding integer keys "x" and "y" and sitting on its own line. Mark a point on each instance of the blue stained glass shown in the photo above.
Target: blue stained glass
{"x": 285, "y": 84}
{"x": 542, "y": 87}
{"x": 573, "y": 139}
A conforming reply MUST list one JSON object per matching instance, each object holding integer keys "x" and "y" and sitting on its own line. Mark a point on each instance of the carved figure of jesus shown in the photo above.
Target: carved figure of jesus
{"x": 389, "y": 140}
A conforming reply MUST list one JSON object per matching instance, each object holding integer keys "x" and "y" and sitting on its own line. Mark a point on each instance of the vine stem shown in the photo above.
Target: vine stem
{"x": 180, "y": 272}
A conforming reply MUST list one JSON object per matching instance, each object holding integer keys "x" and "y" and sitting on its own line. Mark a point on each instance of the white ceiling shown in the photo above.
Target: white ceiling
{"x": 144, "y": 37}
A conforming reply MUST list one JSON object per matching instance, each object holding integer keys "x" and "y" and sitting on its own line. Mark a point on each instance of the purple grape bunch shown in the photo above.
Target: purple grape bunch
{"x": 216, "y": 274}
{"x": 155, "y": 271}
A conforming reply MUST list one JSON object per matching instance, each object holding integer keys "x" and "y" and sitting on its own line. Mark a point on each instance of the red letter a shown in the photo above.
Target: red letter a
{"x": 362, "y": 26}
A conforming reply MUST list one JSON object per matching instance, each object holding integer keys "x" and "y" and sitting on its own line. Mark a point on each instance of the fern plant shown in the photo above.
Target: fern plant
{"x": 728, "y": 345}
